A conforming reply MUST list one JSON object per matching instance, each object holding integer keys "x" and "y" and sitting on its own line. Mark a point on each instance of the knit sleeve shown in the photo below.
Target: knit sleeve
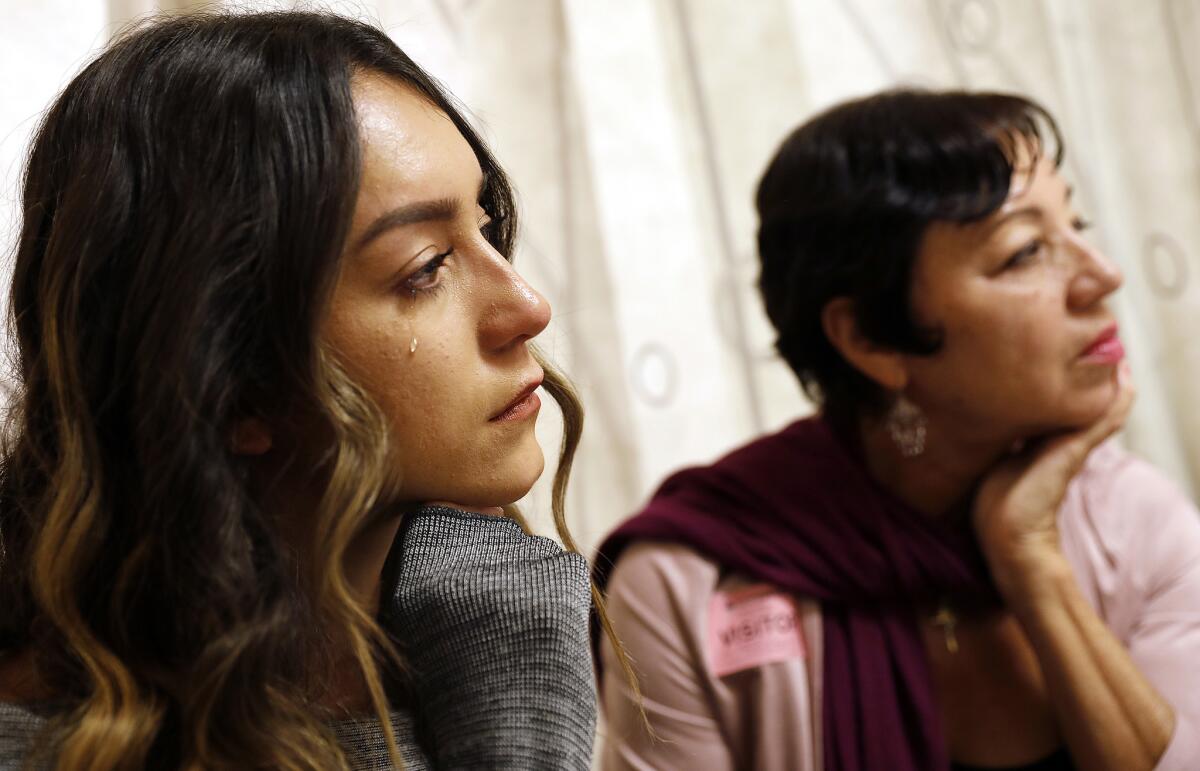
{"x": 493, "y": 624}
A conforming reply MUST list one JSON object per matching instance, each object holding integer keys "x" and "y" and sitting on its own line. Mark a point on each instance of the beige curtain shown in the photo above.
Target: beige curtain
{"x": 635, "y": 131}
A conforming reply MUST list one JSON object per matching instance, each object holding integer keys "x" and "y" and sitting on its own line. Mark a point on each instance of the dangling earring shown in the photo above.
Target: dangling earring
{"x": 906, "y": 423}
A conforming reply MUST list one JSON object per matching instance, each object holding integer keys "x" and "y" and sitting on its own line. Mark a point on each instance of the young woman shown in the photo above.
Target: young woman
{"x": 267, "y": 327}
{"x": 936, "y": 571}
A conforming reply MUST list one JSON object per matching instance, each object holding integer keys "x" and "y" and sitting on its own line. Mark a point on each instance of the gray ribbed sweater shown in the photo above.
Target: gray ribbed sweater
{"x": 362, "y": 740}
{"x": 493, "y": 624}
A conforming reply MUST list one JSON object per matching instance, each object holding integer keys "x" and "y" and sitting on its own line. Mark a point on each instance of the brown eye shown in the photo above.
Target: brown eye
{"x": 426, "y": 277}
{"x": 1024, "y": 254}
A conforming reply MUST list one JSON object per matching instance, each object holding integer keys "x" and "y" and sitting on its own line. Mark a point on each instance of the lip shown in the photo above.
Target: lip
{"x": 1106, "y": 348}
{"x": 523, "y": 405}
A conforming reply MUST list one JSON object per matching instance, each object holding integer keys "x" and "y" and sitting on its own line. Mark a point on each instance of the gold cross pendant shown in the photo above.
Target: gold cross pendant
{"x": 947, "y": 620}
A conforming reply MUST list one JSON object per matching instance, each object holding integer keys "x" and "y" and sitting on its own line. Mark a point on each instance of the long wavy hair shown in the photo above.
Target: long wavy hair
{"x": 185, "y": 204}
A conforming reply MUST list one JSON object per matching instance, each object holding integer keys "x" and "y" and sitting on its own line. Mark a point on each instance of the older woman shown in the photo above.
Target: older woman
{"x": 936, "y": 571}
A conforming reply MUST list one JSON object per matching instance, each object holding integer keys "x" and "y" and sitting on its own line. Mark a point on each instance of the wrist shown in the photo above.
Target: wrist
{"x": 1030, "y": 576}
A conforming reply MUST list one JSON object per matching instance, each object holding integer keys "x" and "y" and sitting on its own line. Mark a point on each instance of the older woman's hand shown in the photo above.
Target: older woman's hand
{"x": 1110, "y": 714}
{"x": 1017, "y": 503}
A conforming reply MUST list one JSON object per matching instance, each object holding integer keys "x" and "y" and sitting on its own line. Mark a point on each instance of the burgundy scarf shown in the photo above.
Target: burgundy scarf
{"x": 798, "y": 510}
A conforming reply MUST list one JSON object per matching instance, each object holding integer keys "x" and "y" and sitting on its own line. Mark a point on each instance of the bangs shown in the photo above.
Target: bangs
{"x": 956, "y": 157}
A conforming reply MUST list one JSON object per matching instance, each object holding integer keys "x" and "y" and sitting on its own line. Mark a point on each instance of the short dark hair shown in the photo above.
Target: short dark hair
{"x": 845, "y": 202}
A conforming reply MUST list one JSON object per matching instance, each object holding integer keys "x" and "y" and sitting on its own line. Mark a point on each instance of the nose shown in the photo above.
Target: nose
{"x": 514, "y": 312}
{"x": 1096, "y": 276}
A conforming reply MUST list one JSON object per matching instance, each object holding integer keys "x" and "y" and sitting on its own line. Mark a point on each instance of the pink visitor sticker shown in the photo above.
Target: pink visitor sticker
{"x": 752, "y": 626}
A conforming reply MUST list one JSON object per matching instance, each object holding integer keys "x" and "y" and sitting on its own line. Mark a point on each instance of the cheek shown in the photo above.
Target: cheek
{"x": 433, "y": 414}
{"x": 1022, "y": 334}
{"x": 372, "y": 343}
{"x": 998, "y": 358}
{"x": 370, "y": 350}
{"x": 418, "y": 392}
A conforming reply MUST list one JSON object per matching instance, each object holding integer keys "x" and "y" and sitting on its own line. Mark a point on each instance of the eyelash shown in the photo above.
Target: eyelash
{"x": 1024, "y": 254}
{"x": 428, "y": 270}
{"x": 431, "y": 268}
{"x": 489, "y": 229}
{"x": 1079, "y": 224}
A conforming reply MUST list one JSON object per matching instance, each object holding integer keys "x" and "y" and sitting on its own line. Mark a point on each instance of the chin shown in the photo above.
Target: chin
{"x": 526, "y": 472}
{"x": 514, "y": 479}
{"x": 1086, "y": 408}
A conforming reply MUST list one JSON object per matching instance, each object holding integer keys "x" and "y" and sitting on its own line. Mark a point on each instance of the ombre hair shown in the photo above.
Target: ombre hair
{"x": 185, "y": 204}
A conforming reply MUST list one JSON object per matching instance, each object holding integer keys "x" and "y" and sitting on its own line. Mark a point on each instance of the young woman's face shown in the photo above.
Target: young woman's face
{"x": 1030, "y": 345}
{"x": 430, "y": 319}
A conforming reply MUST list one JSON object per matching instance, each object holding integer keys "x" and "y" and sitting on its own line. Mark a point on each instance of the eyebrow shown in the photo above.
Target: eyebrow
{"x": 1033, "y": 210}
{"x": 438, "y": 210}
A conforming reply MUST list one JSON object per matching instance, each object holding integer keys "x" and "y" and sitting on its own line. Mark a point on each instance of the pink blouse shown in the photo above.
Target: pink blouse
{"x": 731, "y": 675}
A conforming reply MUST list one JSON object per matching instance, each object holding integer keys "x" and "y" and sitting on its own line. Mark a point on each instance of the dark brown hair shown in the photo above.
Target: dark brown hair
{"x": 185, "y": 205}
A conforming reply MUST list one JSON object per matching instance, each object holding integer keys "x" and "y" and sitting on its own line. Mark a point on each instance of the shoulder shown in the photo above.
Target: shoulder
{"x": 729, "y": 668}
{"x": 657, "y": 598}
{"x": 1113, "y": 471}
{"x": 19, "y": 728}
{"x": 366, "y": 746}
{"x": 1134, "y": 519}
{"x": 1123, "y": 495}
{"x": 19, "y": 716}
{"x": 657, "y": 572}
{"x": 671, "y": 597}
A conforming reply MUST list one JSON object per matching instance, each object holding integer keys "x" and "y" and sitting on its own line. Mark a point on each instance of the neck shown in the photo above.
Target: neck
{"x": 295, "y": 509}
{"x": 939, "y": 481}
{"x": 363, "y": 564}
{"x": 365, "y": 558}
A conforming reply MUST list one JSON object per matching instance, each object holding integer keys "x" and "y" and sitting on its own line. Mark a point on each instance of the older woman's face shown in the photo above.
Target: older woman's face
{"x": 428, "y": 317}
{"x": 1030, "y": 344}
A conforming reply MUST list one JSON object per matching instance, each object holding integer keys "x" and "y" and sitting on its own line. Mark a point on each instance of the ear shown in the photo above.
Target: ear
{"x": 882, "y": 365}
{"x": 250, "y": 436}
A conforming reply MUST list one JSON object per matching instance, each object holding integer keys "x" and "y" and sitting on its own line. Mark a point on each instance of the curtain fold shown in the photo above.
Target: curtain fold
{"x": 635, "y": 131}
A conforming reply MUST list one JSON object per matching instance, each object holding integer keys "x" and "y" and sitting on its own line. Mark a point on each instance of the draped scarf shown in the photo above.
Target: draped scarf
{"x": 798, "y": 509}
